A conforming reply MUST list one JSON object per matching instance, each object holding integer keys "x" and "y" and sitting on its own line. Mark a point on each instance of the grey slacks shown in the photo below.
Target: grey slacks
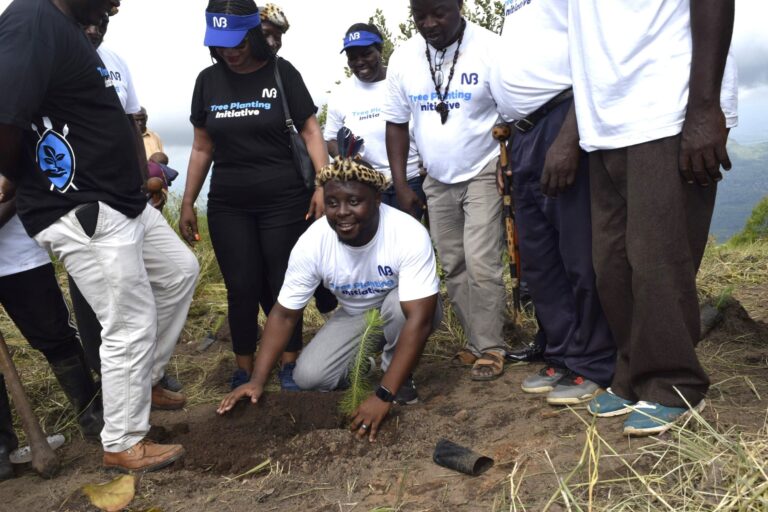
{"x": 324, "y": 363}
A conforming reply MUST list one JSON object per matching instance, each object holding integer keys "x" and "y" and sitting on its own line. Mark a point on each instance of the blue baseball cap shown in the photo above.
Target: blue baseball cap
{"x": 228, "y": 30}
{"x": 360, "y": 38}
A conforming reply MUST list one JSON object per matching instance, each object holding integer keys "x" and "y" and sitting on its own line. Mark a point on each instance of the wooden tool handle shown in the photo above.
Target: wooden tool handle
{"x": 44, "y": 460}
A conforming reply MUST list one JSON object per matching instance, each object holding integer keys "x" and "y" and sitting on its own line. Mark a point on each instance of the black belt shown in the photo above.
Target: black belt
{"x": 527, "y": 123}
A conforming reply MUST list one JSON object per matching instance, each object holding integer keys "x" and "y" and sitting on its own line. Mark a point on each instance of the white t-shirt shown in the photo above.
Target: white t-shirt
{"x": 357, "y": 105}
{"x": 121, "y": 79}
{"x": 631, "y": 63}
{"x": 18, "y": 252}
{"x": 459, "y": 149}
{"x": 526, "y": 76}
{"x": 400, "y": 255}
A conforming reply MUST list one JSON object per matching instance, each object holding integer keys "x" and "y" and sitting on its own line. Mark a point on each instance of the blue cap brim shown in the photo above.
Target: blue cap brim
{"x": 223, "y": 38}
{"x": 356, "y": 44}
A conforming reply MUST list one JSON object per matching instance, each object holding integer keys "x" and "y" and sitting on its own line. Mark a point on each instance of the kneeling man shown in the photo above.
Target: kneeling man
{"x": 370, "y": 256}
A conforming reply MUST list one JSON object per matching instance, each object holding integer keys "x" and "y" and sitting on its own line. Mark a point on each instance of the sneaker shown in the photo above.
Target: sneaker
{"x": 285, "y": 375}
{"x": 609, "y": 404}
{"x": 648, "y": 418}
{"x": 143, "y": 457}
{"x": 407, "y": 394}
{"x": 167, "y": 400}
{"x": 170, "y": 383}
{"x": 544, "y": 381}
{"x": 573, "y": 389}
{"x": 239, "y": 377}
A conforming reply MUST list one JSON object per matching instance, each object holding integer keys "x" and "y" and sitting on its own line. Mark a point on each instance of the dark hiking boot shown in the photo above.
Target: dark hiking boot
{"x": 8, "y": 440}
{"x": 76, "y": 381}
{"x": 407, "y": 394}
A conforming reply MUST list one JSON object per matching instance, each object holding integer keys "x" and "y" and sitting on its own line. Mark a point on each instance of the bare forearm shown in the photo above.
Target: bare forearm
{"x": 398, "y": 143}
{"x": 711, "y": 31}
{"x": 141, "y": 154}
{"x": 277, "y": 333}
{"x": 199, "y": 162}
{"x": 333, "y": 148}
{"x": 410, "y": 344}
{"x": 313, "y": 138}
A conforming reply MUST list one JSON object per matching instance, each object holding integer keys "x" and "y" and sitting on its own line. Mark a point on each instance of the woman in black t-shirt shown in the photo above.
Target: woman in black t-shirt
{"x": 257, "y": 205}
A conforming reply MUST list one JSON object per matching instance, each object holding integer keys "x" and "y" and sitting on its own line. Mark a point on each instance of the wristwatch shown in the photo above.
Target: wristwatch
{"x": 384, "y": 394}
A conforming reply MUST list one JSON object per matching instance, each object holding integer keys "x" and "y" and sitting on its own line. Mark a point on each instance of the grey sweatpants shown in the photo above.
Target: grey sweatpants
{"x": 324, "y": 362}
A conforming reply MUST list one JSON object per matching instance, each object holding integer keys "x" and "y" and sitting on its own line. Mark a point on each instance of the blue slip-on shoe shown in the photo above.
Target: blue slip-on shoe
{"x": 649, "y": 418}
{"x": 609, "y": 404}
{"x": 285, "y": 375}
{"x": 239, "y": 378}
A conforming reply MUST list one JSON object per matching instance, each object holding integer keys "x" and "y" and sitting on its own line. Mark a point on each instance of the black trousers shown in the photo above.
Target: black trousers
{"x": 556, "y": 257}
{"x": 250, "y": 247}
{"x": 34, "y": 302}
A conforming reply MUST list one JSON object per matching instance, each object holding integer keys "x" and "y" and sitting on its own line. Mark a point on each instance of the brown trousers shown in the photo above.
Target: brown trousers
{"x": 650, "y": 229}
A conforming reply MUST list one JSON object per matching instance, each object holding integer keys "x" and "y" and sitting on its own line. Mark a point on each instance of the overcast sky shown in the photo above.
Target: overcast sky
{"x": 162, "y": 42}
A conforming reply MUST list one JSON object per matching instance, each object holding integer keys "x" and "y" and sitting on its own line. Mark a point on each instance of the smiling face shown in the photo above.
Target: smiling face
{"x": 438, "y": 21}
{"x": 352, "y": 210}
{"x": 365, "y": 62}
{"x": 240, "y": 58}
{"x": 273, "y": 34}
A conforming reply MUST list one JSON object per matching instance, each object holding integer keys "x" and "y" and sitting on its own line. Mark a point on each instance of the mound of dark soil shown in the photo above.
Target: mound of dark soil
{"x": 250, "y": 434}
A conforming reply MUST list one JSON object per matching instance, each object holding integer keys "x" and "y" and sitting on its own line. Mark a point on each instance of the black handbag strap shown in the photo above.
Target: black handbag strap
{"x": 281, "y": 91}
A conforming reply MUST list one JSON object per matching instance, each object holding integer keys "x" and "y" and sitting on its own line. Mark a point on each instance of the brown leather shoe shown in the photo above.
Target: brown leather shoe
{"x": 143, "y": 457}
{"x": 166, "y": 399}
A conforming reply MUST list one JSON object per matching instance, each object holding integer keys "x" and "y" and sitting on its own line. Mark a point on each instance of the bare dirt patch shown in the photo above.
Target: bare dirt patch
{"x": 316, "y": 464}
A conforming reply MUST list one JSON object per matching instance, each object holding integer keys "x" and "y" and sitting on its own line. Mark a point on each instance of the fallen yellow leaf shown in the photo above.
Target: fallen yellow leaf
{"x": 112, "y": 496}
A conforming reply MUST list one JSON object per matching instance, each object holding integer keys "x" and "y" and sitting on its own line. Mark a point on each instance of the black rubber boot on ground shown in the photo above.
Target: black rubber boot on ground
{"x": 8, "y": 440}
{"x": 75, "y": 379}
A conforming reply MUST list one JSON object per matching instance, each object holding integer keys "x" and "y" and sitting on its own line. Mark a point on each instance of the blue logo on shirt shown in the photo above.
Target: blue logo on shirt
{"x": 55, "y": 157}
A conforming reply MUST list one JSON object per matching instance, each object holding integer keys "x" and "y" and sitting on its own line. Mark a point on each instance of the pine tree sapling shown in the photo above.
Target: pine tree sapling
{"x": 360, "y": 386}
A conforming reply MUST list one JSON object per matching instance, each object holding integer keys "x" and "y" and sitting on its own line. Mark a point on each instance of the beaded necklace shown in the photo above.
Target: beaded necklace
{"x": 441, "y": 107}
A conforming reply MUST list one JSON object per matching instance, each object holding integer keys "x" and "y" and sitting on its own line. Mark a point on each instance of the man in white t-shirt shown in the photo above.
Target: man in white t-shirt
{"x": 438, "y": 81}
{"x": 647, "y": 85}
{"x": 370, "y": 256}
{"x": 552, "y": 205}
{"x": 32, "y": 299}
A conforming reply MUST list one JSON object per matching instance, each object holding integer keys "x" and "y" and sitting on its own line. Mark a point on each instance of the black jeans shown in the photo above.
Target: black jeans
{"x": 249, "y": 248}
{"x": 34, "y": 302}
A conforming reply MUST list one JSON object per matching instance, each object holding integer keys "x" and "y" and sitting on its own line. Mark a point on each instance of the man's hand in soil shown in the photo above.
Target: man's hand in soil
{"x": 368, "y": 417}
{"x": 250, "y": 389}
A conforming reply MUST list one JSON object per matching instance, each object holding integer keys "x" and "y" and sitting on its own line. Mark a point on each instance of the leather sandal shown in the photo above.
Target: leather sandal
{"x": 464, "y": 358}
{"x": 490, "y": 360}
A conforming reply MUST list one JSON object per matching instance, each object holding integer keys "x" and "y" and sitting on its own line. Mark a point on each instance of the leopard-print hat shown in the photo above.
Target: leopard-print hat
{"x": 275, "y": 15}
{"x": 347, "y": 169}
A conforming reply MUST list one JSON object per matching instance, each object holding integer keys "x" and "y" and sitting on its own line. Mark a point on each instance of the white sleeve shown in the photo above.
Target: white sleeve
{"x": 335, "y": 118}
{"x": 396, "y": 107}
{"x": 132, "y": 105}
{"x": 418, "y": 267}
{"x": 729, "y": 93}
{"x": 302, "y": 276}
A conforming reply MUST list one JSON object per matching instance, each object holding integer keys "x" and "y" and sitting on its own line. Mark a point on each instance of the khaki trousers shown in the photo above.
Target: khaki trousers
{"x": 465, "y": 224}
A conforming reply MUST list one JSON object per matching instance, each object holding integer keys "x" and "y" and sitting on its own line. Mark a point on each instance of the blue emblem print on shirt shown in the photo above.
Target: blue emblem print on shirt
{"x": 55, "y": 157}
